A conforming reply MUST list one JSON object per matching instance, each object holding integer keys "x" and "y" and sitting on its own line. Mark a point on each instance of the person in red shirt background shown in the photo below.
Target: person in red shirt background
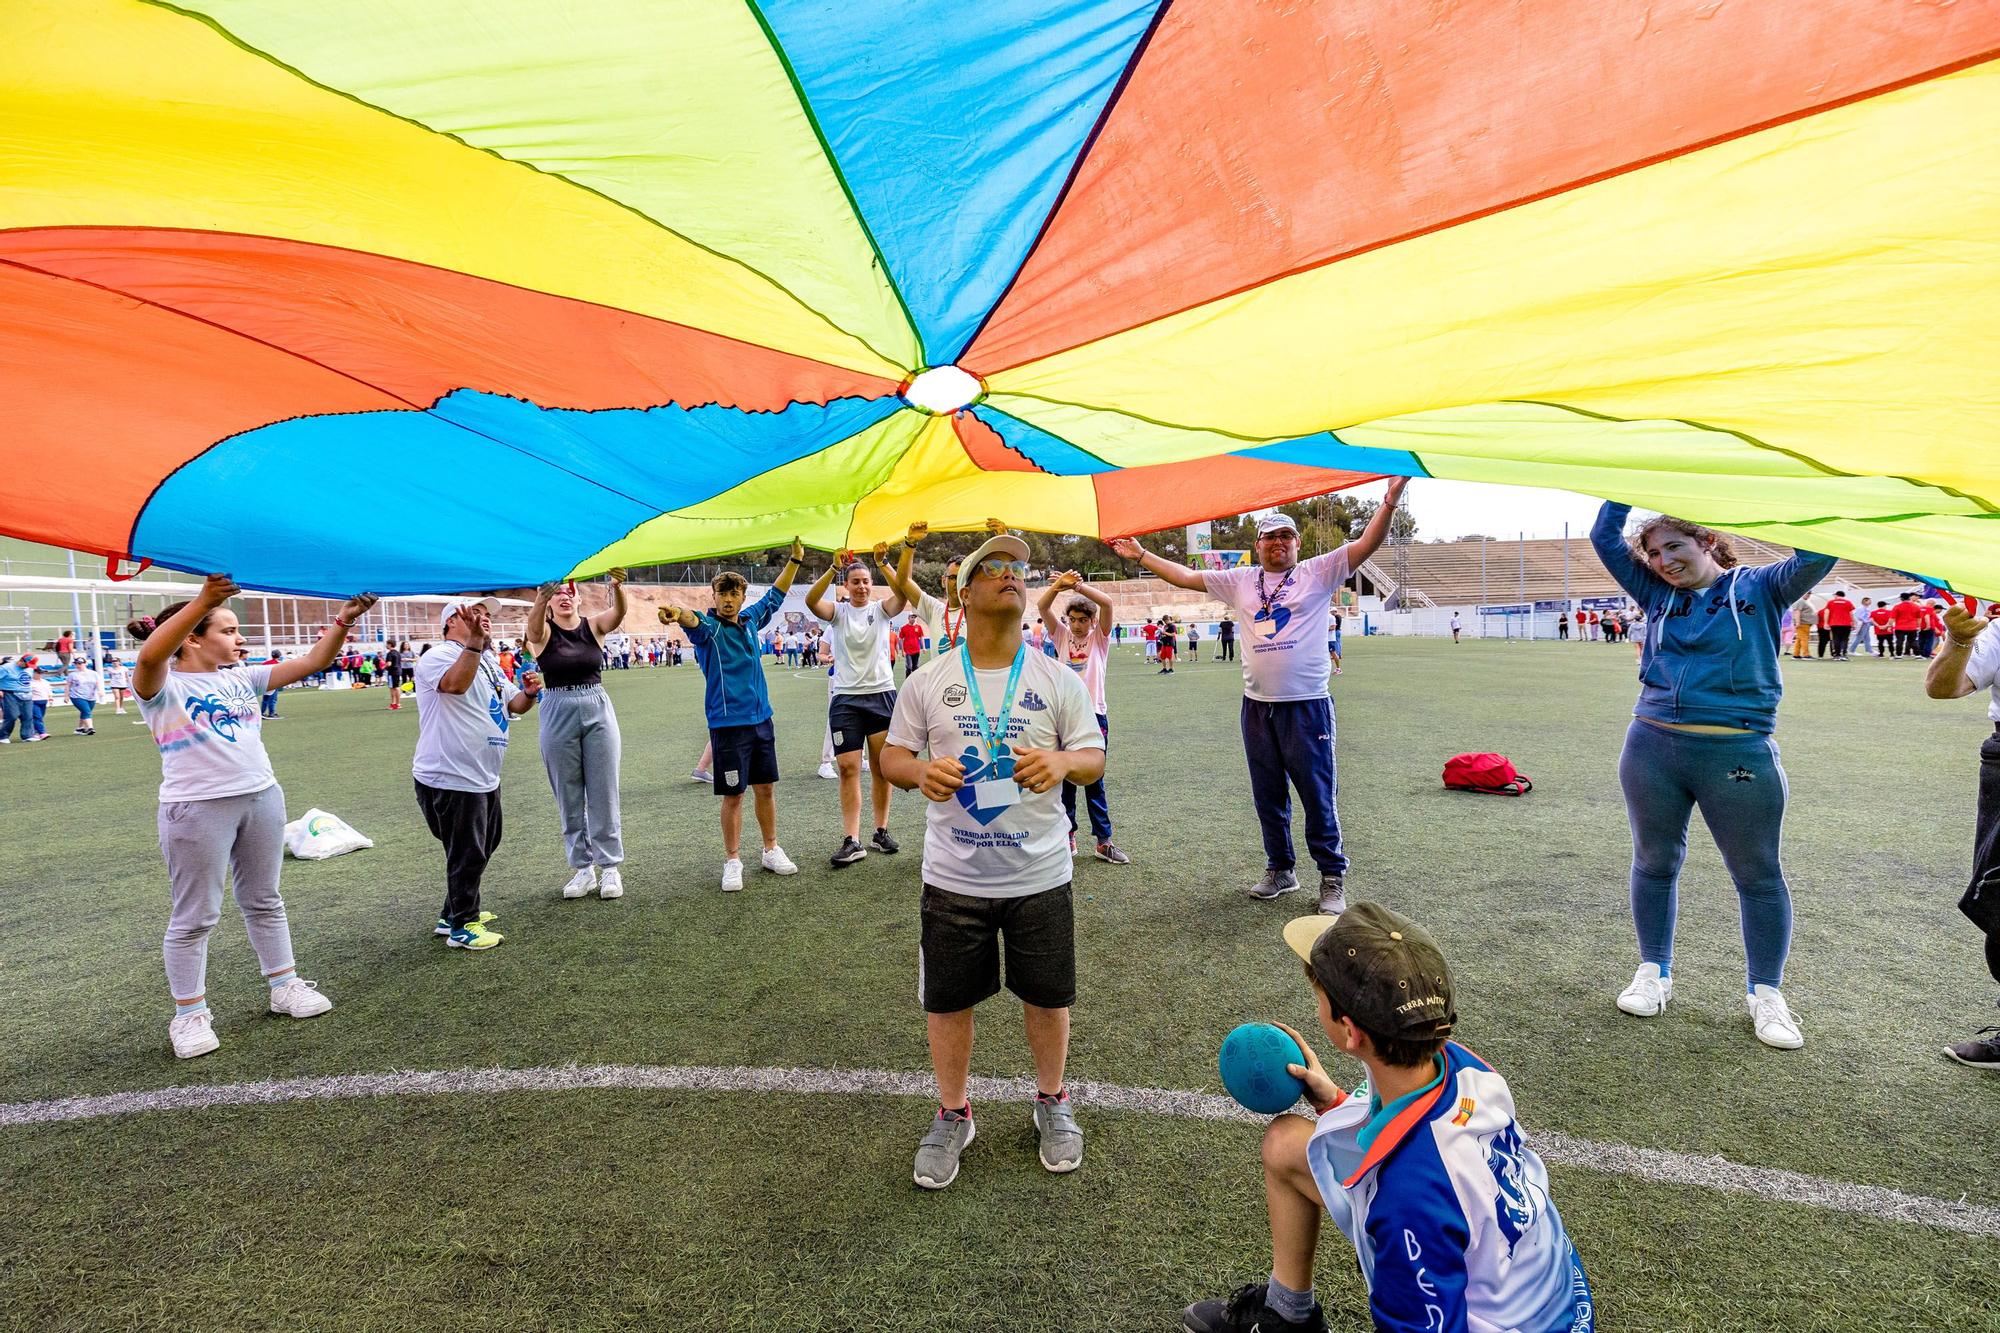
{"x": 1928, "y": 631}
{"x": 1839, "y": 613}
{"x": 1884, "y": 621}
{"x": 912, "y": 638}
{"x": 1909, "y": 618}
{"x": 1819, "y": 623}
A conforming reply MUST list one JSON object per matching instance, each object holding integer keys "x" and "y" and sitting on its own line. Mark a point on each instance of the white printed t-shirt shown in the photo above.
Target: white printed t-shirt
{"x": 1284, "y": 651}
{"x": 1982, "y": 668}
{"x": 1012, "y": 851}
{"x": 1086, "y": 657}
{"x": 461, "y": 738}
{"x": 861, "y": 649}
{"x": 210, "y": 730}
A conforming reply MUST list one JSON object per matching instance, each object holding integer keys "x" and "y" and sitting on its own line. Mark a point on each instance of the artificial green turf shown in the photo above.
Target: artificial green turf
{"x": 1527, "y": 896}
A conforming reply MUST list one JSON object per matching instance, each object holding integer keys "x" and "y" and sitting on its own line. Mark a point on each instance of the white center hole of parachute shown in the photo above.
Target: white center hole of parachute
{"x": 943, "y": 389}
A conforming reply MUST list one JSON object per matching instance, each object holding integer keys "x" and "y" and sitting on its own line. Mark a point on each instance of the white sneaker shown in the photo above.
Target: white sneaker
{"x": 193, "y": 1034}
{"x": 299, "y": 998}
{"x": 829, "y": 772}
{"x": 778, "y": 863}
{"x": 1648, "y": 994}
{"x": 732, "y": 875}
{"x": 582, "y": 882}
{"x": 701, "y": 775}
{"x": 612, "y": 885}
{"x": 1776, "y": 1027}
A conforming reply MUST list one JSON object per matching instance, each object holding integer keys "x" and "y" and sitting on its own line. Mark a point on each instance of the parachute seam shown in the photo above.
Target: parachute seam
{"x": 1075, "y": 170}
{"x": 625, "y": 311}
{"x": 833, "y": 165}
{"x": 1825, "y": 468}
{"x": 423, "y": 409}
{"x": 1036, "y": 463}
{"x": 1505, "y": 206}
{"x": 639, "y": 213}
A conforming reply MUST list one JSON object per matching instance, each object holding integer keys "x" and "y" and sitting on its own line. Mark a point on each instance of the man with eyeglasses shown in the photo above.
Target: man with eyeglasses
{"x": 1287, "y": 714}
{"x": 1004, "y": 728}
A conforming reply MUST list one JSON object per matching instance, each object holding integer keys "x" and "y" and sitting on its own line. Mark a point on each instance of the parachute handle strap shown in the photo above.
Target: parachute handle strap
{"x": 111, "y": 563}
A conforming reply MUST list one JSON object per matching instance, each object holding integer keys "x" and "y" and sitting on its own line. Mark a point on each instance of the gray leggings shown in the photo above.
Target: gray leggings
{"x": 580, "y": 749}
{"x": 245, "y": 836}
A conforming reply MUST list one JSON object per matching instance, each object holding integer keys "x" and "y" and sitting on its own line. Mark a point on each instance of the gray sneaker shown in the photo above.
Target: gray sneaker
{"x": 1332, "y": 894}
{"x": 937, "y": 1155}
{"x": 1274, "y": 883}
{"x": 1108, "y": 851}
{"x": 1062, "y": 1139}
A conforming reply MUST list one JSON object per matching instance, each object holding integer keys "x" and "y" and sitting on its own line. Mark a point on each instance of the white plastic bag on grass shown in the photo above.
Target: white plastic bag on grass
{"x": 316, "y": 835}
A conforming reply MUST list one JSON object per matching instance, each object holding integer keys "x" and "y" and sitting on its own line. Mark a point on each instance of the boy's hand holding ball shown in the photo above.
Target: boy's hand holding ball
{"x": 1321, "y": 1090}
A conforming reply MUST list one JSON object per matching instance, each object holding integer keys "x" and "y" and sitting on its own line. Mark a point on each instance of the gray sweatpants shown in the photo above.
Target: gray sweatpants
{"x": 245, "y": 836}
{"x": 580, "y": 749}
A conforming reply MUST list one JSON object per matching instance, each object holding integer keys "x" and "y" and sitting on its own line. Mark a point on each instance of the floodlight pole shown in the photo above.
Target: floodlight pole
{"x": 1523, "y": 548}
{"x": 1482, "y": 585}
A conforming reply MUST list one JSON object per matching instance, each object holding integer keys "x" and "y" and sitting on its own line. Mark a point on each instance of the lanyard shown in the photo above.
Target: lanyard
{"x": 1269, "y": 597}
{"x": 995, "y": 740}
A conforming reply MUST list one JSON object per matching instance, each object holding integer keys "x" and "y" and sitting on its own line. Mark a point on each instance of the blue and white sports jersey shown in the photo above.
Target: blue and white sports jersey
{"x": 1449, "y": 1211}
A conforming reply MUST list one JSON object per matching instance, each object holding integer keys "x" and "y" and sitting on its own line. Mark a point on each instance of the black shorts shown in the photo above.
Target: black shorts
{"x": 744, "y": 757}
{"x": 856, "y": 717}
{"x": 962, "y": 937}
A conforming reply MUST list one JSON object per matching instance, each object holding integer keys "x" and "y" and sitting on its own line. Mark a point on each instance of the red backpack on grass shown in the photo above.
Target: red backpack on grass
{"x": 1486, "y": 775}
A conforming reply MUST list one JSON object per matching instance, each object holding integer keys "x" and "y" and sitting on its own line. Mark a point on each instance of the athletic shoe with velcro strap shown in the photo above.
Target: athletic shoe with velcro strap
{"x": 944, "y": 1143}
{"x": 444, "y": 926}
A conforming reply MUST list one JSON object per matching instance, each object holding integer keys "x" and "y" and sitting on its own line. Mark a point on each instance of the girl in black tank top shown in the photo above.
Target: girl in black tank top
{"x": 572, "y": 656}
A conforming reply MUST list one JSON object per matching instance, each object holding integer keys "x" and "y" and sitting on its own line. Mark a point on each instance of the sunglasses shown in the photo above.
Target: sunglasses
{"x": 996, "y": 568}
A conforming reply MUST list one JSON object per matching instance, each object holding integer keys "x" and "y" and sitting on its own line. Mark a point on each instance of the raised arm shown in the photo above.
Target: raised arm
{"x": 893, "y": 604}
{"x": 1045, "y": 605}
{"x": 1377, "y": 531}
{"x": 1107, "y": 615}
{"x": 327, "y": 647}
{"x": 1607, "y": 535}
{"x": 816, "y": 601}
{"x": 792, "y": 564}
{"x": 606, "y": 621}
{"x": 1178, "y": 575}
{"x": 536, "y": 636}
{"x": 150, "y": 672}
{"x": 1946, "y": 676}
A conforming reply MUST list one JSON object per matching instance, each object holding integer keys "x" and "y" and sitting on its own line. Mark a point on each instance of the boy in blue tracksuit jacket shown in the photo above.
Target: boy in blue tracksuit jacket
{"x": 728, "y": 647}
{"x": 1701, "y": 736}
{"x": 1423, "y": 1167}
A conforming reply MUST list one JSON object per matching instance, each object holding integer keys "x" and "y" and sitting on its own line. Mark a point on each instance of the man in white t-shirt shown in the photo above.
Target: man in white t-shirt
{"x": 1003, "y": 727}
{"x": 863, "y": 692}
{"x": 1082, "y": 639}
{"x": 1287, "y": 715}
{"x": 1969, "y": 661}
{"x": 465, "y": 704}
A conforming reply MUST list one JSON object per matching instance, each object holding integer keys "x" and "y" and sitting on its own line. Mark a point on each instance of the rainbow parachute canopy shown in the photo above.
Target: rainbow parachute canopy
{"x": 426, "y": 295}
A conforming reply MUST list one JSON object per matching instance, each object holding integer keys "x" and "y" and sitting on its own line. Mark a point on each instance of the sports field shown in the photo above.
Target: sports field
{"x": 713, "y": 1101}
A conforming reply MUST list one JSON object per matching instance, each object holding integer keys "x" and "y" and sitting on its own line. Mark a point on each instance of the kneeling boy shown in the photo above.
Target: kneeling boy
{"x": 1424, "y": 1167}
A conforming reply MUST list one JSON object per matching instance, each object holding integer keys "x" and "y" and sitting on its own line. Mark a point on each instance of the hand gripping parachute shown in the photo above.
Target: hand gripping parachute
{"x": 444, "y": 294}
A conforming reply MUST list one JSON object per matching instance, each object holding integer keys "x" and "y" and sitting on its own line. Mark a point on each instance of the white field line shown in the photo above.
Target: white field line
{"x": 1656, "y": 1164}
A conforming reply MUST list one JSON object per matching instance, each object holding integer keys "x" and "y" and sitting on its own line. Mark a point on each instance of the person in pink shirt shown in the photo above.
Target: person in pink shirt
{"x": 1082, "y": 639}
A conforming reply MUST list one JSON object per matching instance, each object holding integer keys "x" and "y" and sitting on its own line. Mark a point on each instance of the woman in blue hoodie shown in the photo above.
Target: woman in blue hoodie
{"x": 1701, "y": 737}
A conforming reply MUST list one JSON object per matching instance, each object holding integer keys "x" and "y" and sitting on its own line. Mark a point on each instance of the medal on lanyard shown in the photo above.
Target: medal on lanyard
{"x": 994, "y": 793}
{"x": 1272, "y": 617}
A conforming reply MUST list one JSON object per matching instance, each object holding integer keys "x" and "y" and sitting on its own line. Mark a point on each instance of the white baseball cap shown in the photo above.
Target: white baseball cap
{"x": 457, "y": 604}
{"x": 1004, "y": 544}
{"x": 1276, "y": 522}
